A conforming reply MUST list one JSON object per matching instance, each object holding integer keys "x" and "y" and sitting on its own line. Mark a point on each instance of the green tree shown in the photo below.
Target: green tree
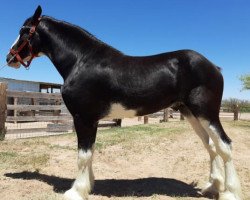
{"x": 245, "y": 81}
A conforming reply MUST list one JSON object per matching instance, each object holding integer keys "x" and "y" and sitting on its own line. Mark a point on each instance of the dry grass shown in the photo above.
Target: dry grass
{"x": 159, "y": 161}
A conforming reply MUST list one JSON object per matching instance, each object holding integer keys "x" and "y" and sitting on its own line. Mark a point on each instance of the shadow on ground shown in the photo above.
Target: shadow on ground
{"x": 143, "y": 187}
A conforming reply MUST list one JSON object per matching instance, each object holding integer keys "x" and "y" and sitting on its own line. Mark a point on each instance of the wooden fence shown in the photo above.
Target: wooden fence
{"x": 31, "y": 114}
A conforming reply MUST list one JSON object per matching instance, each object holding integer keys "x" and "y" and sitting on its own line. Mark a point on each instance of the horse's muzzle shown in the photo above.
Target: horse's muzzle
{"x": 12, "y": 62}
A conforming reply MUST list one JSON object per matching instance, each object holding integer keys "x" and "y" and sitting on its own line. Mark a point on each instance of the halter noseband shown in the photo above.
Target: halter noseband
{"x": 15, "y": 53}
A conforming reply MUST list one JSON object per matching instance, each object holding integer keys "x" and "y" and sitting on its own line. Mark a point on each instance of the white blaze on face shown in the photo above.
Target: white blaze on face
{"x": 11, "y": 63}
{"x": 18, "y": 37}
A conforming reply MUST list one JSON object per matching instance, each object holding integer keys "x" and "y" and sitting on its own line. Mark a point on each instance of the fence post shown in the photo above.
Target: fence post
{"x": 181, "y": 117}
{"x": 118, "y": 122}
{"x": 3, "y": 109}
{"x": 15, "y": 111}
{"x": 165, "y": 115}
{"x": 145, "y": 119}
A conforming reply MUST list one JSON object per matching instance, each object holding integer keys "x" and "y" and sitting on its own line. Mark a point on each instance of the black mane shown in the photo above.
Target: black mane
{"x": 78, "y": 32}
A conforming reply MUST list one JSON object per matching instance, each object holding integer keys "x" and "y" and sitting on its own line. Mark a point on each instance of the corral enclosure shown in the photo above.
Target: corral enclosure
{"x": 35, "y": 113}
{"x": 32, "y": 112}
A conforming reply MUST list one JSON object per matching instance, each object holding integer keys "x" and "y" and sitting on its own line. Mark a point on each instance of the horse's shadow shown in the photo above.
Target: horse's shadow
{"x": 143, "y": 187}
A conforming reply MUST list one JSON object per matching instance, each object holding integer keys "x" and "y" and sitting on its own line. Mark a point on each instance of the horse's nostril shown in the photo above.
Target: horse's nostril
{"x": 8, "y": 58}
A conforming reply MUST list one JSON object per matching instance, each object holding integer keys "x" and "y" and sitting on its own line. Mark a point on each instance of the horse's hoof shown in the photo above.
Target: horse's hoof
{"x": 72, "y": 195}
{"x": 209, "y": 189}
{"x": 228, "y": 196}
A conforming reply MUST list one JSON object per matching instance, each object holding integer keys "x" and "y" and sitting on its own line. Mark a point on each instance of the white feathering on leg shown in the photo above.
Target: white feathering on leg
{"x": 85, "y": 178}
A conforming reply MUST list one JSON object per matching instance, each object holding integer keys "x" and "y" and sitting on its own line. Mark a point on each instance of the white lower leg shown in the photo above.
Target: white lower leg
{"x": 85, "y": 178}
{"x": 216, "y": 177}
{"x": 232, "y": 184}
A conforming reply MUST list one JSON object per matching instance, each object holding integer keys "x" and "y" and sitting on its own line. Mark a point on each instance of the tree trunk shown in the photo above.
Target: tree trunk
{"x": 236, "y": 113}
{"x": 165, "y": 115}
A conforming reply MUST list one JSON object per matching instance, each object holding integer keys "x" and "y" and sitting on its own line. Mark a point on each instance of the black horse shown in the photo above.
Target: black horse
{"x": 101, "y": 82}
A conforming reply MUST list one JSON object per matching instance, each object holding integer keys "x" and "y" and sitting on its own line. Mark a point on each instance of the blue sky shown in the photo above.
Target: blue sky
{"x": 219, "y": 29}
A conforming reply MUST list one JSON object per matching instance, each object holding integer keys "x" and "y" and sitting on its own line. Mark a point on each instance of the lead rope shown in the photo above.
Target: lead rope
{"x": 2, "y": 67}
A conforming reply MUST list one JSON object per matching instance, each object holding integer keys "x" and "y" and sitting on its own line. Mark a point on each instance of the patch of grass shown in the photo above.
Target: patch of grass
{"x": 130, "y": 134}
{"x": 32, "y": 161}
{"x": 57, "y": 146}
{"x": 14, "y": 160}
{"x": 239, "y": 124}
{"x": 7, "y": 159}
{"x": 99, "y": 145}
{"x": 6, "y": 156}
{"x": 30, "y": 154}
{"x": 35, "y": 141}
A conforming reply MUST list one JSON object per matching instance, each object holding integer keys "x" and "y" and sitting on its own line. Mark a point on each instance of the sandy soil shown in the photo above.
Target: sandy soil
{"x": 172, "y": 167}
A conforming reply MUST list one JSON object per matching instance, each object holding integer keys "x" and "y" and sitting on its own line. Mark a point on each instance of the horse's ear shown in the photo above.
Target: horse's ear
{"x": 37, "y": 14}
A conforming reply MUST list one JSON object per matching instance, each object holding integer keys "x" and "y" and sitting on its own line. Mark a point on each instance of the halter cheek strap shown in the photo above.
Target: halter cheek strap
{"x": 18, "y": 57}
{"x": 25, "y": 42}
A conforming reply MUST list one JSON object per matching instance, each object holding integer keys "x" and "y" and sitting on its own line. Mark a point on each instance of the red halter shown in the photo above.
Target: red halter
{"x": 27, "y": 41}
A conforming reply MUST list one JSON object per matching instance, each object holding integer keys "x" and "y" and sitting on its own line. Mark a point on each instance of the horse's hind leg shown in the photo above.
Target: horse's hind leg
{"x": 216, "y": 177}
{"x": 223, "y": 147}
{"x": 86, "y": 134}
{"x": 204, "y": 103}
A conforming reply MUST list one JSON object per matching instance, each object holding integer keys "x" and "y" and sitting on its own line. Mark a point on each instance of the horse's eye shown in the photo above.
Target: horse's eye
{"x": 23, "y": 30}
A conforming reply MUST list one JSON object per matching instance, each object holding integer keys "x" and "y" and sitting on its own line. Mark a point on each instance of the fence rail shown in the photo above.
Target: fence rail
{"x": 34, "y": 107}
{"x": 33, "y": 95}
{"x": 31, "y": 114}
{"x": 38, "y": 118}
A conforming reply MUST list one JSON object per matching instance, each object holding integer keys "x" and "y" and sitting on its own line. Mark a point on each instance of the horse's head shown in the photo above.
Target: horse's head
{"x": 27, "y": 44}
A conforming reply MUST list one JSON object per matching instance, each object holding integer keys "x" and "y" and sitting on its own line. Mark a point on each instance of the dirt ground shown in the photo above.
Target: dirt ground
{"x": 157, "y": 161}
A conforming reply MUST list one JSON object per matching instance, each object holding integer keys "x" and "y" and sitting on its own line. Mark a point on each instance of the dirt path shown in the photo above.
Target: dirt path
{"x": 152, "y": 167}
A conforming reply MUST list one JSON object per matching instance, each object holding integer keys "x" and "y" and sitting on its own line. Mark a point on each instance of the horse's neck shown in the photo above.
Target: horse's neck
{"x": 66, "y": 45}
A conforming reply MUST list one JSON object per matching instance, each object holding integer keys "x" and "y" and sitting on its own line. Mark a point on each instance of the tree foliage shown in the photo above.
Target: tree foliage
{"x": 245, "y": 81}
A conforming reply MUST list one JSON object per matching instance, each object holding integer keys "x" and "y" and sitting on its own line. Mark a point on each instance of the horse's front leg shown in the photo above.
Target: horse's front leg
{"x": 86, "y": 134}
